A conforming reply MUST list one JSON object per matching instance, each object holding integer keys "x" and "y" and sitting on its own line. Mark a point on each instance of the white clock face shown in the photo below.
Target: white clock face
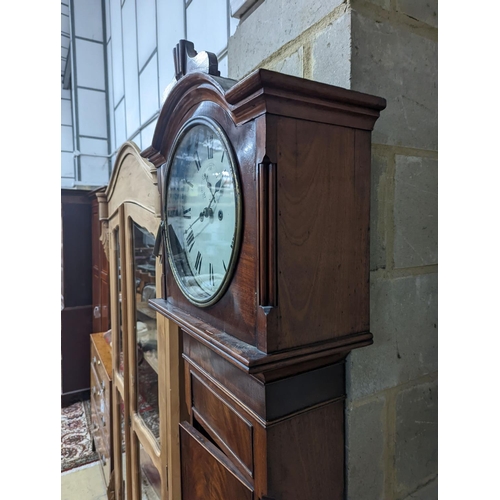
{"x": 202, "y": 212}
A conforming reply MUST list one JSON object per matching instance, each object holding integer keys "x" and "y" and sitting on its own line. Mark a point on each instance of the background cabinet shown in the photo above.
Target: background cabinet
{"x": 76, "y": 293}
{"x": 146, "y": 355}
{"x": 100, "y": 399}
{"x": 100, "y": 271}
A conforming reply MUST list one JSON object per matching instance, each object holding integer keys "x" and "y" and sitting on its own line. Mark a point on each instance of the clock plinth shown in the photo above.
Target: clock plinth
{"x": 264, "y": 363}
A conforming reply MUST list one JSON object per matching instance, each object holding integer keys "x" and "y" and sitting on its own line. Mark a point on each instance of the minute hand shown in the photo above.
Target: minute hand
{"x": 193, "y": 223}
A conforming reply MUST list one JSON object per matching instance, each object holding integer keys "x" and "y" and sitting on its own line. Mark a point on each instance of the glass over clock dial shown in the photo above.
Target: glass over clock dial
{"x": 203, "y": 211}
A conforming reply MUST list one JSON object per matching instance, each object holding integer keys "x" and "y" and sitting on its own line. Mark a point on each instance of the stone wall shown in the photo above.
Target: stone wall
{"x": 387, "y": 48}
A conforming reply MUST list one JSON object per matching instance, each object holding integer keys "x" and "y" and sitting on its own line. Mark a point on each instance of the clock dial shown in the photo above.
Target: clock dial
{"x": 202, "y": 211}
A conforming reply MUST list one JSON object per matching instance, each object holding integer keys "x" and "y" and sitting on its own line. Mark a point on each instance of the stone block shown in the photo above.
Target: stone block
{"x": 427, "y": 492}
{"x": 332, "y": 53}
{"x": 415, "y": 212}
{"x": 377, "y": 212}
{"x": 291, "y": 65}
{"x": 422, "y": 10}
{"x": 365, "y": 443}
{"x": 385, "y": 4}
{"x": 395, "y": 63}
{"x": 404, "y": 326}
{"x": 416, "y": 456}
{"x": 268, "y": 28}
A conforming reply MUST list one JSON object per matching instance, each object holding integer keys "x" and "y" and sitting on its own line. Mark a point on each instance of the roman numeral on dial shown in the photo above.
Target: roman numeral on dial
{"x": 210, "y": 147}
{"x": 197, "y": 264}
{"x": 190, "y": 240}
{"x": 197, "y": 161}
{"x": 211, "y": 274}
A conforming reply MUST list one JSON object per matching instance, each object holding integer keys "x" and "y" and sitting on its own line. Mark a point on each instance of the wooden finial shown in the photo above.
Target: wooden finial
{"x": 187, "y": 60}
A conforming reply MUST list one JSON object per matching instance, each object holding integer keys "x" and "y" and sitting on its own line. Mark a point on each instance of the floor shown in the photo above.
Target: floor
{"x": 84, "y": 483}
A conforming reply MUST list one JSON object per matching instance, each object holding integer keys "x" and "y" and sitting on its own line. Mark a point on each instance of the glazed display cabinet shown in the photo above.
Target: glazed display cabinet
{"x": 144, "y": 356}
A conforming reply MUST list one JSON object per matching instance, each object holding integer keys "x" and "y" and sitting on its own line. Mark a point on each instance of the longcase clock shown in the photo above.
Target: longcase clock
{"x": 265, "y": 194}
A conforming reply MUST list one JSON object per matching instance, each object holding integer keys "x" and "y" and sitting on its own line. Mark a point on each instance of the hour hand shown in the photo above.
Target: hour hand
{"x": 205, "y": 178}
{"x": 209, "y": 185}
{"x": 218, "y": 187}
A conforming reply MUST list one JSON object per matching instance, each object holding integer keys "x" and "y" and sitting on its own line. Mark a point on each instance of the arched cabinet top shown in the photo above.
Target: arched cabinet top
{"x": 133, "y": 181}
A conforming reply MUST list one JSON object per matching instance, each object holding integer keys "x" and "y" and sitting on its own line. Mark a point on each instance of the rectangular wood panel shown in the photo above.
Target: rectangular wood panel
{"x": 77, "y": 253}
{"x": 76, "y": 325}
{"x": 306, "y": 454}
{"x": 322, "y": 233}
{"x": 229, "y": 429}
{"x": 207, "y": 474}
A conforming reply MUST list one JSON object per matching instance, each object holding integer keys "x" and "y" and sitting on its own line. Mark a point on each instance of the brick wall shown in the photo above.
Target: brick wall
{"x": 387, "y": 48}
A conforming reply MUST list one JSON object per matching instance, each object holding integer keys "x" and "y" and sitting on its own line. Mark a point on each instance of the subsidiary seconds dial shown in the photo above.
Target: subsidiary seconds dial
{"x": 203, "y": 211}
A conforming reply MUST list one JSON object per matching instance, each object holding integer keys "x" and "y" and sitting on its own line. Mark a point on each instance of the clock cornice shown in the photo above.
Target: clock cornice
{"x": 263, "y": 91}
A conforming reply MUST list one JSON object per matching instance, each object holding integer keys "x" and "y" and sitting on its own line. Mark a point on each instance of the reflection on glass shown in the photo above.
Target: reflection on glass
{"x": 146, "y": 333}
{"x": 123, "y": 457}
{"x": 150, "y": 477}
{"x": 202, "y": 213}
{"x": 119, "y": 277}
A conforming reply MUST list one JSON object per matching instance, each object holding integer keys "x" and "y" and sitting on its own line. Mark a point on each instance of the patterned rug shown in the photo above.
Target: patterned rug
{"x": 76, "y": 441}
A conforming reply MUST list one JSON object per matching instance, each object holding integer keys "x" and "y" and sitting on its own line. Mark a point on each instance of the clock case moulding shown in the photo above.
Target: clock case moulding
{"x": 299, "y": 295}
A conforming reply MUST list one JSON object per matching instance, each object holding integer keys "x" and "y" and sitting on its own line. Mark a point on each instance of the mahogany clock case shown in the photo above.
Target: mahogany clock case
{"x": 221, "y": 314}
{"x": 302, "y": 150}
{"x": 264, "y": 377}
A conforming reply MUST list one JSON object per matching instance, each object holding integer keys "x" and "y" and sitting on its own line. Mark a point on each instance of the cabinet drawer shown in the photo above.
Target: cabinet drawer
{"x": 100, "y": 421}
{"x": 100, "y": 391}
{"x": 230, "y": 431}
{"x": 97, "y": 364}
{"x": 102, "y": 448}
{"x": 208, "y": 474}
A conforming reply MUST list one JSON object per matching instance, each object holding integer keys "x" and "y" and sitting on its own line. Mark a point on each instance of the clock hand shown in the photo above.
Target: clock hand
{"x": 202, "y": 214}
{"x": 207, "y": 212}
{"x": 218, "y": 187}
{"x": 209, "y": 185}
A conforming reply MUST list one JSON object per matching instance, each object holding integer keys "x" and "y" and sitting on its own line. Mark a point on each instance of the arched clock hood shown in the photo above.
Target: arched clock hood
{"x": 263, "y": 91}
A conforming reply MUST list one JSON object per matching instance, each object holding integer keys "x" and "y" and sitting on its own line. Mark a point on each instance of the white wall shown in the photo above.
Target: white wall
{"x": 122, "y": 62}
{"x": 141, "y": 38}
{"x": 67, "y": 147}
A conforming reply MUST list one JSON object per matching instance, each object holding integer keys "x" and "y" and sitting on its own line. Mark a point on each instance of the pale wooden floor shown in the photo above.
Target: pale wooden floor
{"x": 84, "y": 483}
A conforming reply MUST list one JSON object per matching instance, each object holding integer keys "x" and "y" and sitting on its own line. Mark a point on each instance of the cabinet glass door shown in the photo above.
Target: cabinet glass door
{"x": 121, "y": 461}
{"x": 150, "y": 477}
{"x": 146, "y": 334}
{"x": 120, "y": 302}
